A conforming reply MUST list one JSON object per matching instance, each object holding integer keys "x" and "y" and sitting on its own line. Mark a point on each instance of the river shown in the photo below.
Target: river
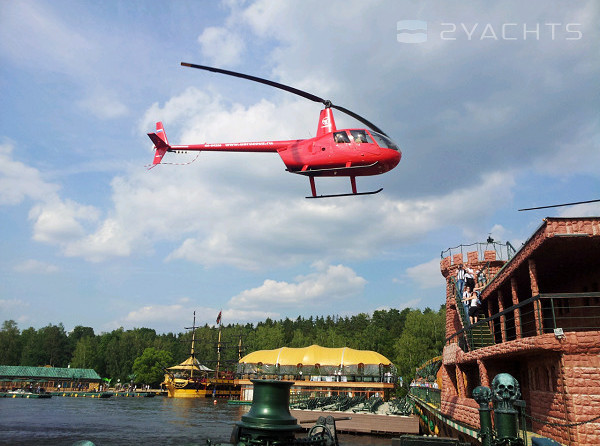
{"x": 126, "y": 421}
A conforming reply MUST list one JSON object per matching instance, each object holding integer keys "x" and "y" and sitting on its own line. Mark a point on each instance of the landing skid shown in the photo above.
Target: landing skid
{"x": 313, "y": 190}
{"x": 348, "y": 195}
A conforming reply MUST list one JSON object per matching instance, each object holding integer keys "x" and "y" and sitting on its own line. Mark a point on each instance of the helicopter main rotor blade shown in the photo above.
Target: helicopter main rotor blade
{"x": 359, "y": 118}
{"x": 559, "y": 205}
{"x": 260, "y": 80}
{"x": 289, "y": 89}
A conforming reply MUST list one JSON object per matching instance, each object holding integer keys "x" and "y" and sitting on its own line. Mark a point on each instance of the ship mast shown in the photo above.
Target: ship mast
{"x": 219, "y": 346}
{"x": 193, "y": 328}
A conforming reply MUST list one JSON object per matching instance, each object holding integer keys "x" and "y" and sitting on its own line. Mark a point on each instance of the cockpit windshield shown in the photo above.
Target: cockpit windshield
{"x": 384, "y": 142}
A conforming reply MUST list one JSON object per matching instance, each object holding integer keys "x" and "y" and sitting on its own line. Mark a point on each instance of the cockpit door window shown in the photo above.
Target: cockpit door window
{"x": 341, "y": 138}
{"x": 361, "y": 136}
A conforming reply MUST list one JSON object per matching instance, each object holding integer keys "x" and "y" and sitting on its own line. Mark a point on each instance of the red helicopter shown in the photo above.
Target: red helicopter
{"x": 331, "y": 153}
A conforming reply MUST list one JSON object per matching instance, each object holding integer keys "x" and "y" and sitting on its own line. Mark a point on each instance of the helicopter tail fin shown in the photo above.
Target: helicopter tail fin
{"x": 161, "y": 143}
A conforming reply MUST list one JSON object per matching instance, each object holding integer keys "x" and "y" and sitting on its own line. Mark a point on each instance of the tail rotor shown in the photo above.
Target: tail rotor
{"x": 161, "y": 143}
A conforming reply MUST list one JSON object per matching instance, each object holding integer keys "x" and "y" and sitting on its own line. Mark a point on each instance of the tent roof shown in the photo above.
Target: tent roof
{"x": 315, "y": 354}
{"x": 189, "y": 364}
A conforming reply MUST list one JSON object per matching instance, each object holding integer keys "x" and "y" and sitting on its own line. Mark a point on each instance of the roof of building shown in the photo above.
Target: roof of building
{"x": 17, "y": 371}
{"x": 315, "y": 355}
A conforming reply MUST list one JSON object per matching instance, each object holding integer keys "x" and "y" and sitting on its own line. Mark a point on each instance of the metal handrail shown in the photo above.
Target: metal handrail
{"x": 429, "y": 395}
{"x": 504, "y": 251}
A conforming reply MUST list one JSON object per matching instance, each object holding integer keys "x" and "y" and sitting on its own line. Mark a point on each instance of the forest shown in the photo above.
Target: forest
{"x": 408, "y": 338}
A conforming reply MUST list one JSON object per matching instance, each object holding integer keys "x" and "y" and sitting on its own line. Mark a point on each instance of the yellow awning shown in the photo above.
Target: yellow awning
{"x": 315, "y": 354}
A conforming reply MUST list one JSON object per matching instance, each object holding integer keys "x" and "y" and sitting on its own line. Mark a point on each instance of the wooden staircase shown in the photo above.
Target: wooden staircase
{"x": 478, "y": 335}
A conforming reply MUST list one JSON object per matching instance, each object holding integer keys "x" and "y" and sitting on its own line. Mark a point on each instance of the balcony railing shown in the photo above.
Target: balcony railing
{"x": 554, "y": 313}
{"x": 504, "y": 251}
{"x": 429, "y": 395}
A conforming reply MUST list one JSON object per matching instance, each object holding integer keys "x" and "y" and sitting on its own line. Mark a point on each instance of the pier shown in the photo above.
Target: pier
{"x": 361, "y": 423}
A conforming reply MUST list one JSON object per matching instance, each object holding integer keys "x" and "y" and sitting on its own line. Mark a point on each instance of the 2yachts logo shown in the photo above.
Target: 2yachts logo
{"x": 416, "y": 31}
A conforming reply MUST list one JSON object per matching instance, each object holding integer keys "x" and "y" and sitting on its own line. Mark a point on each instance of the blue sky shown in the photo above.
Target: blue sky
{"x": 495, "y": 109}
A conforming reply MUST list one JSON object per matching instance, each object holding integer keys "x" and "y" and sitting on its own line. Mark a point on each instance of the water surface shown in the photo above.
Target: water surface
{"x": 126, "y": 421}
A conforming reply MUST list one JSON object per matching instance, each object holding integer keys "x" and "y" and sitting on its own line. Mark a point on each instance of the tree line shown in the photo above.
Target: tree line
{"x": 408, "y": 338}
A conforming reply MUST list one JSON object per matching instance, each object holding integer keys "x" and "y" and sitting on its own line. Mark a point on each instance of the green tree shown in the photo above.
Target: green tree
{"x": 328, "y": 337}
{"x": 423, "y": 338}
{"x": 85, "y": 354}
{"x": 80, "y": 332}
{"x": 10, "y": 343}
{"x": 300, "y": 339}
{"x": 266, "y": 337}
{"x": 55, "y": 344}
{"x": 149, "y": 367}
{"x": 32, "y": 351}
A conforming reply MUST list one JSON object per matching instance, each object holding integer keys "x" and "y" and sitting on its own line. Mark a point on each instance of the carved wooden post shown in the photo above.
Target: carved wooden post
{"x": 503, "y": 317}
{"x": 490, "y": 312}
{"x": 515, "y": 301}
{"x": 535, "y": 291}
{"x": 460, "y": 382}
{"x": 483, "y": 374}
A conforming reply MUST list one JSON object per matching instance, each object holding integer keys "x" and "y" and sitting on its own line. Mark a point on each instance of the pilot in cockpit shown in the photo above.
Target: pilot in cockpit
{"x": 340, "y": 138}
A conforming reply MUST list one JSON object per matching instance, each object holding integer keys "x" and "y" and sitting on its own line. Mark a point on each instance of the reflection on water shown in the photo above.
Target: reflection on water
{"x": 126, "y": 421}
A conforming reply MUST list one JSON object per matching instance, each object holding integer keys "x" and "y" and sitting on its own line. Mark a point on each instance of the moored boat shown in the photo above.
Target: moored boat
{"x": 22, "y": 393}
{"x": 191, "y": 379}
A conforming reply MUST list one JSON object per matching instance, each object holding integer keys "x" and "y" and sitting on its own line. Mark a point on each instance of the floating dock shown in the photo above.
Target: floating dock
{"x": 75, "y": 394}
{"x": 361, "y": 423}
{"x": 24, "y": 395}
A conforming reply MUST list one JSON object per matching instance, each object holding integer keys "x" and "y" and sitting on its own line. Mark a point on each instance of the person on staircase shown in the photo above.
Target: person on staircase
{"x": 466, "y": 302}
{"x": 474, "y": 305}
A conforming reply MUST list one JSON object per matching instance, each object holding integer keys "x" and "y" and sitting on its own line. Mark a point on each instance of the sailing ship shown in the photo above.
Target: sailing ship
{"x": 191, "y": 379}
{"x": 539, "y": 322}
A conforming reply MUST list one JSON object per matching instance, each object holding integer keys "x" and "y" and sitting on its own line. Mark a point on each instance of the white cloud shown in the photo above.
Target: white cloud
{"x": 582, "y": 210}
{"x": 104, "y": 104}
{"x": 149, "y": 314}
{"x": 36, "y": 266}
{"x": 328, "y": 282}
{"x": 237, "y": 315}
{"x": 55, "y": 221}
{"x": 221, "y": 45}
{"x": 412, "y": 303}
{"x": 108, "y": 241}
{"x": 19, "y": 181}
{"x": 173, "y": 314}
{"x": 426, "y": 275}
{"x": 37, "y": 36}
{"x": 579, "y": 155}
{"x": 15, "y": 309}
{"x": 60, "y": 222}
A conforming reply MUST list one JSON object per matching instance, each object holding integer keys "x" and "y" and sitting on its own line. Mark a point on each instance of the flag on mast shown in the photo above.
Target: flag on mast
{"x": 219, "y": 317}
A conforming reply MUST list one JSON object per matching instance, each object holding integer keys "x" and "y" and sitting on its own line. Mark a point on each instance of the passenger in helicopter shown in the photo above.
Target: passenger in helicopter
{"x": 360, "y": 136}
{"x": 341, "y": 138}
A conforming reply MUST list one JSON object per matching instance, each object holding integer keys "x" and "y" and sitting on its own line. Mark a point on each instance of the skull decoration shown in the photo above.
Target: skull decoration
{"x": 483, "y": 396}
{"x": 505, "y": 391}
